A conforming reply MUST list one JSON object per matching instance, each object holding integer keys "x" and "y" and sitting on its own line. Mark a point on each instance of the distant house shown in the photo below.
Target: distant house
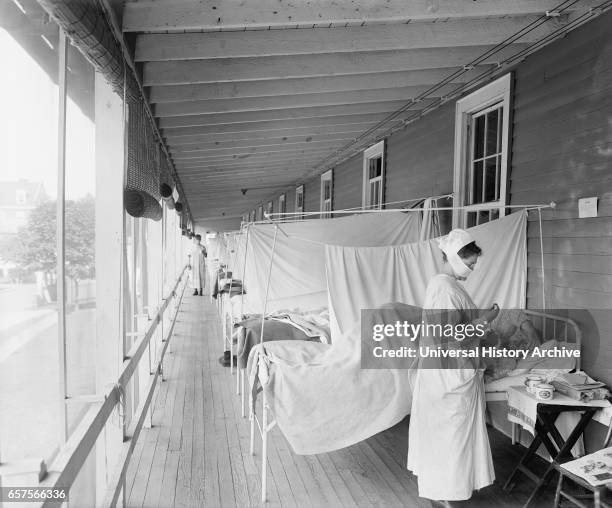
{"x": 17, "y": 199}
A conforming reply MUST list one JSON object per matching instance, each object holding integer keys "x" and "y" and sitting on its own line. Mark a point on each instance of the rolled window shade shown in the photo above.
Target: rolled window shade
{"x": 143, "y": 171}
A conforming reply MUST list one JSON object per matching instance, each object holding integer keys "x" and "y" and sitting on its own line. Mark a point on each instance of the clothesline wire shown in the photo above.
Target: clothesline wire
{"x": 270, "y": 220}
{"x": 358, "y": 208}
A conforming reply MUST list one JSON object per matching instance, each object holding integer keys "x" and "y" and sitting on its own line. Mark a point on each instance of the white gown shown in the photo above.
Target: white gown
{"x": 448, "y": 445}
{"x": 198, "y": 266}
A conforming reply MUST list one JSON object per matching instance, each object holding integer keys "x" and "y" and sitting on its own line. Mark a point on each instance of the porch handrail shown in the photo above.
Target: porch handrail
{"x": 72, "y": 455}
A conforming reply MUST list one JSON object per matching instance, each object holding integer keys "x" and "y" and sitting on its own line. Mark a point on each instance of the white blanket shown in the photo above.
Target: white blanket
{"x": 321, "y": 398}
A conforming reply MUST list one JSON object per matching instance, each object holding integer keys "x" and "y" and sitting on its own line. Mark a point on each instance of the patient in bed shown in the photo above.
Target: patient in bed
{"x": 511, "y": 329}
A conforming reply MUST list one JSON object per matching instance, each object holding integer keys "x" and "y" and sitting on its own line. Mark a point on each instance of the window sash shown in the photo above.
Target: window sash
{"x": 481, "y": 153}
{"x": 373, "y": 176}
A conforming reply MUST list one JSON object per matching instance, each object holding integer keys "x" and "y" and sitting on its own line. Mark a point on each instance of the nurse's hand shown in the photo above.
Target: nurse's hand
{"x": 492, "y": 313}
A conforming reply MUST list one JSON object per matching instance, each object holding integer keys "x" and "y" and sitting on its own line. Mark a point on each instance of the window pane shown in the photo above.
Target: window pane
{"x": 477, "y": 177}
{"x": 471, "y": 219}
{"x": 375, "y": 194}
{"x": 327, "y": 189}
{"x": 29, "y": 390}
{"x": 500, "y": 119}
{"x": 492, "y": 132}
{"x": 375, "y": 167}
{"x": 491, "y": 185}
{"x": 478, "y": 136}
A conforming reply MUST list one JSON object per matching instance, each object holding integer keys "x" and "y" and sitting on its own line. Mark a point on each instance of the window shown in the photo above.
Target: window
{"x": 299, "y": 201}
{"x": 326, "y": 194}
{"x": 270, "y": 207}
{"x": 252, "y": 216}
{"x": 21, "y": 197}
{"x": 282, "y": 206}
{"x": 481, "y": 154}
{"x": 374, "y": 176}
{"x": 260, "y": 212}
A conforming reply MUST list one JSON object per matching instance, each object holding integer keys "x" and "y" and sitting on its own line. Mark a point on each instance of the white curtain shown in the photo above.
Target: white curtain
{"x": 321, "y": 397}
{"x": 297, "y": 278}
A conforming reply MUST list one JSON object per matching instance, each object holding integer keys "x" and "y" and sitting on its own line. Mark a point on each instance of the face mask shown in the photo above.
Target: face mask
{"x": 458, "y": 266}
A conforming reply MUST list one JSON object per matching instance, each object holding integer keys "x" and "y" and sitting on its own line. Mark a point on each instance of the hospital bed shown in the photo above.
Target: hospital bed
{"x": 309, "y": 326}
{"x": 562, "y": 329}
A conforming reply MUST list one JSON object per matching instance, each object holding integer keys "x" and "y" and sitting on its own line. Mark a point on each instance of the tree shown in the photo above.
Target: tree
{"x": 35, "y": 246}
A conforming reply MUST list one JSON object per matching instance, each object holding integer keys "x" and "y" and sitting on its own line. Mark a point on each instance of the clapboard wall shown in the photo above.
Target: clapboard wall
{"x": 420, "y": 157}
{"x": 561, "y": 151}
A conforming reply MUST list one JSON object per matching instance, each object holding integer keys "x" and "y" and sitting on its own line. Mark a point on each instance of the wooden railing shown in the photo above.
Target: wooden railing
{"x": 67, "y": 464}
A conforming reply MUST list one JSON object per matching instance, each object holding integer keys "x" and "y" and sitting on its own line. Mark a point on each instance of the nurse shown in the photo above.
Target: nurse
{"x": 448, "y": 445}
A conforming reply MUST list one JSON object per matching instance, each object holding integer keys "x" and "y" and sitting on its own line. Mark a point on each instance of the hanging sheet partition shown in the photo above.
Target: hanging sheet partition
{"x": 297, "y": 278}
{"x": 365, "y": 278}
{"x": 321, "y": 397}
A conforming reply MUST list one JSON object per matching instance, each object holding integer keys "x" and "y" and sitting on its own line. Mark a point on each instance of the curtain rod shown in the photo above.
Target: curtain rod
{"x": 270, "y": 218}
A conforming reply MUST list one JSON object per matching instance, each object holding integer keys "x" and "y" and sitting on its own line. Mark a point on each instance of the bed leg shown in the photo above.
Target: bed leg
{"x": 242, "y": 393}
{"x": 264, "y": 453}
{"x": 252, "y": 418}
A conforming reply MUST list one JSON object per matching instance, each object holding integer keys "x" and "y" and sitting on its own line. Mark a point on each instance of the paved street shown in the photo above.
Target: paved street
{"x": 29, "y": 375}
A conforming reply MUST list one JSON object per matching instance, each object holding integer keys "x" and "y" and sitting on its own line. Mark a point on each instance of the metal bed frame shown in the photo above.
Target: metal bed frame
{"x": 551, "y": 326}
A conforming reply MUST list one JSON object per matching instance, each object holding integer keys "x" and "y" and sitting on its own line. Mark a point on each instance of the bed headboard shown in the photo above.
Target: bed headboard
{"x": 561, "y": 328}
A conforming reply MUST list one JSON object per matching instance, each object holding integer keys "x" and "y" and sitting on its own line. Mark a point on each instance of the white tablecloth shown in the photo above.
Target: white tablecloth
{"x": 523, "y": 406}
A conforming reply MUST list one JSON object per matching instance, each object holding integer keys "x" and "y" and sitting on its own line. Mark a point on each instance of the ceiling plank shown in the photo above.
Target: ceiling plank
{"x": 187, "y": 72}
{"x": 256, "y": 43}
{"x": 235, "y": 153}
{"x": 322, "y": 84}
{"x": 296, "y": 101}
{"x": 285, "y": 164}
{"x": 259, "y": 138}
{"x": 313, "y": 139}
{"x": 273, "y": 125}
{"x": 284, "y": 114}
{"x": 251, "y": 162}
{"x": 267, "y": 154}
{"x": 163, "y": 15}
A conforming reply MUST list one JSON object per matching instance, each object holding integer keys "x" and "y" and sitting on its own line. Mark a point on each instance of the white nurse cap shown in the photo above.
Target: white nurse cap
{"x": 454, "y": 241}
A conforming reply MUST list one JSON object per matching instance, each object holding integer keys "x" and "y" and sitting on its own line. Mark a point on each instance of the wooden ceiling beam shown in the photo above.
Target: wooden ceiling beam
{"x": 236, "y": 153}
{"x": 288, "y": 165}
{"x": 250, "y": 162}
{"x": 256, "y": 43}
{"x": 312, "y": 139}
{"x": 261, "y": 138}
{"x": 284, "y": 114}
{"x": 186, "y": 72}
{"x": 296, "y": 101}
{"x": 295, "y": 86}
{"x": 277, "y": 126}
{"x": 213, "y": 15}
{"x": 241, "y": 182}
{"x": 254, "y": 154}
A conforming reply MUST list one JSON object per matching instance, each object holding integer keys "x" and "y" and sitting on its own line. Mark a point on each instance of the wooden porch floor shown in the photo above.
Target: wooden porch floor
{"x": 197, "y": 452}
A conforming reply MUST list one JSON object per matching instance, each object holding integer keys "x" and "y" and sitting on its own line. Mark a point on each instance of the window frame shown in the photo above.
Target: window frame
{"x": 328, "y": 176}
{"x": 299, "y": 209}
{"x": 282, "y": 203}
{"x": 496, "y": 92}
{"x": 373, "y": 152}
